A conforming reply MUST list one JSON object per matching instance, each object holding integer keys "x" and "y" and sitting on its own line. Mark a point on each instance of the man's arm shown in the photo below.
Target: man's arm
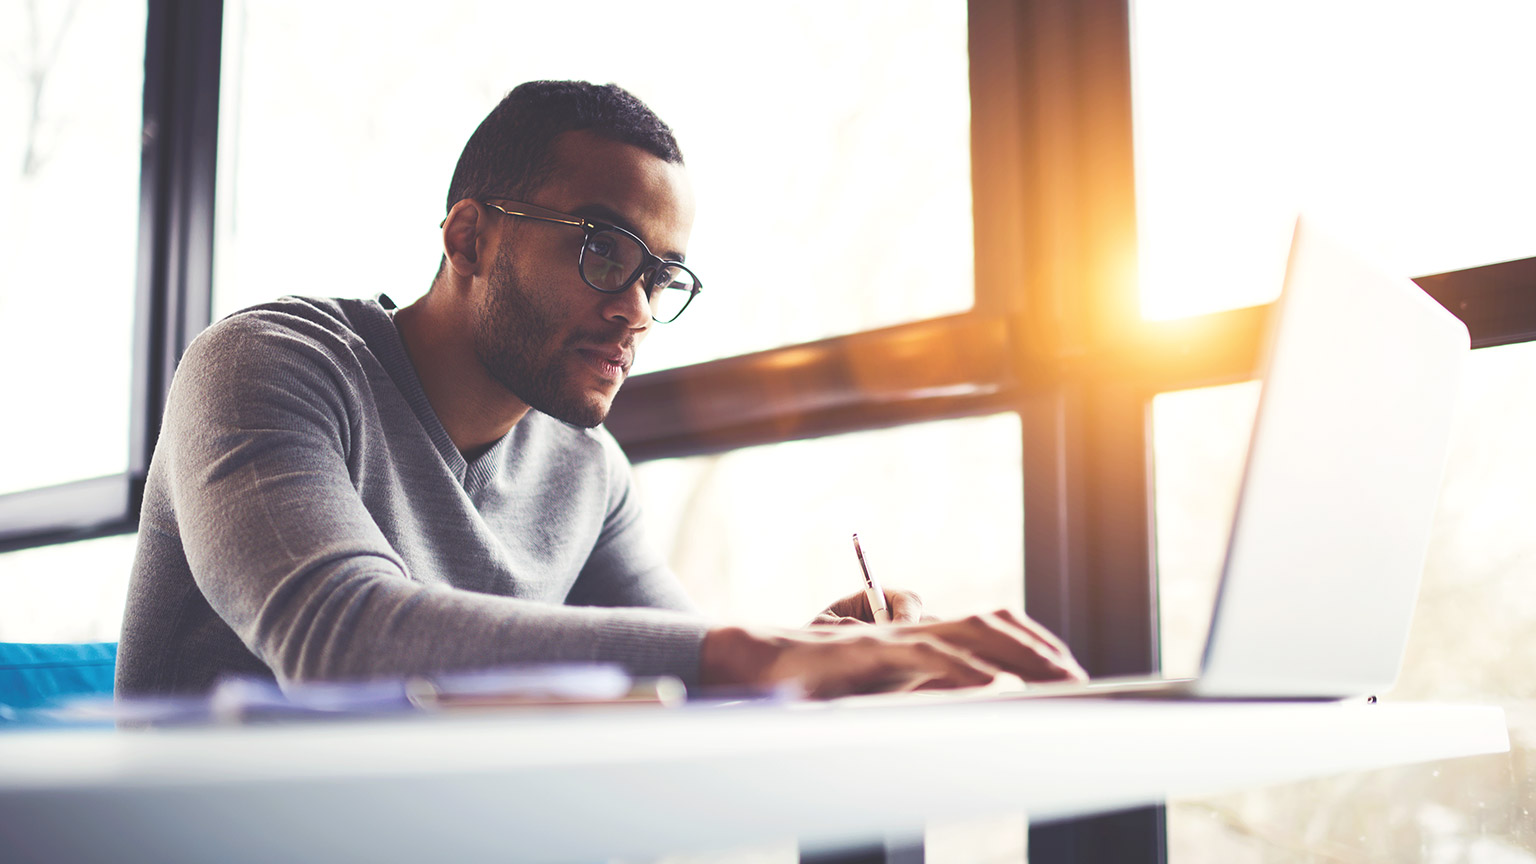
{"x": 930, "y": 654}
{"x": 254, "y": 446}
{"x": 254, "y": 451}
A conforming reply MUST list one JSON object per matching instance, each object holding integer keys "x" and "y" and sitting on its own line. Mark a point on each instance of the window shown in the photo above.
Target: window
{"x": 1392, "y": 124}
{"x": 71, "y": 592}
{"x": 808, "y": 225}
{"x": 69, "y": 178}
{"x": 1015, "y": 350}
{"x": 1201, "y": 444}
{"x": 1470, "y": 640}
{"x": 1395, "y": 124}
{"x": 762, "y": 535}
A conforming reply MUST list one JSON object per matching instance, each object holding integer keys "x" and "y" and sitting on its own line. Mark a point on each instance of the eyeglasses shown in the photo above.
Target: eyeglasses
{"x": 612, "y": 259}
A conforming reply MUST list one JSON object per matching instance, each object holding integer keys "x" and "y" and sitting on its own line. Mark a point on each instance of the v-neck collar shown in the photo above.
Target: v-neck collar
{"x": 384, "y": 338}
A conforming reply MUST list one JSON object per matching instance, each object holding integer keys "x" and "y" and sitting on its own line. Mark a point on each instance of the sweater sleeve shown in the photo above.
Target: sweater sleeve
{"x": 254, "y": 443}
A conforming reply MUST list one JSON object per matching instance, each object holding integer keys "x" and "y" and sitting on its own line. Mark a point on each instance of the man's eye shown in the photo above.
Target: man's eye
{"x": 664, "y": 277}
{"x": 600, "y": 245}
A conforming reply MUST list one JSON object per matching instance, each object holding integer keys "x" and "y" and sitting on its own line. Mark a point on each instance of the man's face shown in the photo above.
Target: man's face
{"x": 550, "y": 339}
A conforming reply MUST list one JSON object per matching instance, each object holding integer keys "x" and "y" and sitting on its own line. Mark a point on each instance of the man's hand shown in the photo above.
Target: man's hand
{"x": 839, "y": 661}
{"x": 905, "y": 607}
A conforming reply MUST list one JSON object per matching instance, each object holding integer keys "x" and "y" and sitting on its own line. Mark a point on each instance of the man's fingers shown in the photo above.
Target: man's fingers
{"x": 847, "y": 656}
{"x": 905, "y": 606}
{"x": 935, "y": 665}
{"x": 832, "y": 619}
{"x": 1012, "y": 648}
{"x": 960, "y": 669}
{"x": 1033, "y": 628}
{"x": 877, "y": 662}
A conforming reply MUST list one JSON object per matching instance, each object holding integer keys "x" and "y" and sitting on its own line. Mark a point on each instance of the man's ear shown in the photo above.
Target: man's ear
{"x": 464, "y": 237}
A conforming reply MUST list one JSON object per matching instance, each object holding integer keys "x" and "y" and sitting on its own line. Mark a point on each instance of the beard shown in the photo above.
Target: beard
{"x": 517, "y": 340}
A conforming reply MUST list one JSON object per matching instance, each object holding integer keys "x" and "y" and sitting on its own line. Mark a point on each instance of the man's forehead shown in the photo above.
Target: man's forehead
{"x": 611, "y": 181}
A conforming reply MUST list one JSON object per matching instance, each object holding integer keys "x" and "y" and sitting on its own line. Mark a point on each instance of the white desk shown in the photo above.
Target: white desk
{"x": 638, "y": 782}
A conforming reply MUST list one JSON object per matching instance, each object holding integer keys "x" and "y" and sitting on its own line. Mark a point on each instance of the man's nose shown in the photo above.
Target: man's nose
{"x": 630, "y": 305}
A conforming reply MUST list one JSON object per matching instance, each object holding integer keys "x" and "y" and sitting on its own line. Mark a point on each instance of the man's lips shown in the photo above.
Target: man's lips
{"x": 613, "y": 358}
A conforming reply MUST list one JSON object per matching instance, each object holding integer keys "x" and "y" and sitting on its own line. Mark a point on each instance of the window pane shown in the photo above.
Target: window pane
{"x": 1401, "y": 126}
{"x": 1471, "y": 638}
{"x": 763, "y": 535}
{"x": 1200, "y": 440}
{"x": 72, "y": 103}
{"x": 68, "y": 593}
{"x": 801, "y": 141}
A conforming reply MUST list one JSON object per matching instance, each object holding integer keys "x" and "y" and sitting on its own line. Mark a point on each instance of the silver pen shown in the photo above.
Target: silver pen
{"x": 880, "y": 612}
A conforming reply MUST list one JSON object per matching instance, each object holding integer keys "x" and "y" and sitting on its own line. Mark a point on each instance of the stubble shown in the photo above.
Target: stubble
{"x": 517, "y": 340}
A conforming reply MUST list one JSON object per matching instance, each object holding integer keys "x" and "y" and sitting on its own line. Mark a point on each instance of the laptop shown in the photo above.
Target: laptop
{"x": 1332, "y": 526}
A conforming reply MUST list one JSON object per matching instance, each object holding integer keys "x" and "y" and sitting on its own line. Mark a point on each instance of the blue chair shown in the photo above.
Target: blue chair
{"x": 36, "y": 674}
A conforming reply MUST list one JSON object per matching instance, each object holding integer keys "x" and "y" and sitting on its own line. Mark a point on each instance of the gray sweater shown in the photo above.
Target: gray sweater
{"x": 307, "y": 516}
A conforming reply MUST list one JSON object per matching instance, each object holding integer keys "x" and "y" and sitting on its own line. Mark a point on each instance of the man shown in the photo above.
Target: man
{"x": 342, "y": 490}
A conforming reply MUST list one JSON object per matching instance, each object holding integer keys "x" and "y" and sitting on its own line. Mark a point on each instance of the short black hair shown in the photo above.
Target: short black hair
{"x": 509, "y": 154}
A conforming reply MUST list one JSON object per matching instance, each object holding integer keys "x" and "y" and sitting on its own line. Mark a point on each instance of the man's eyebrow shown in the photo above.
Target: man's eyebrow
{"x": 605, "y": 214}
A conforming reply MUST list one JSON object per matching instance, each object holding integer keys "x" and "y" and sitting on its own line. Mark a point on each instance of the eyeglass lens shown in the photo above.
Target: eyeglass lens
{"x": 612, "y": 260}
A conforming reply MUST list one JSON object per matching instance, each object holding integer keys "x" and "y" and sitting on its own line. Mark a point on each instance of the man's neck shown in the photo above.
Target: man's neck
{"x": 474, "y": 408}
